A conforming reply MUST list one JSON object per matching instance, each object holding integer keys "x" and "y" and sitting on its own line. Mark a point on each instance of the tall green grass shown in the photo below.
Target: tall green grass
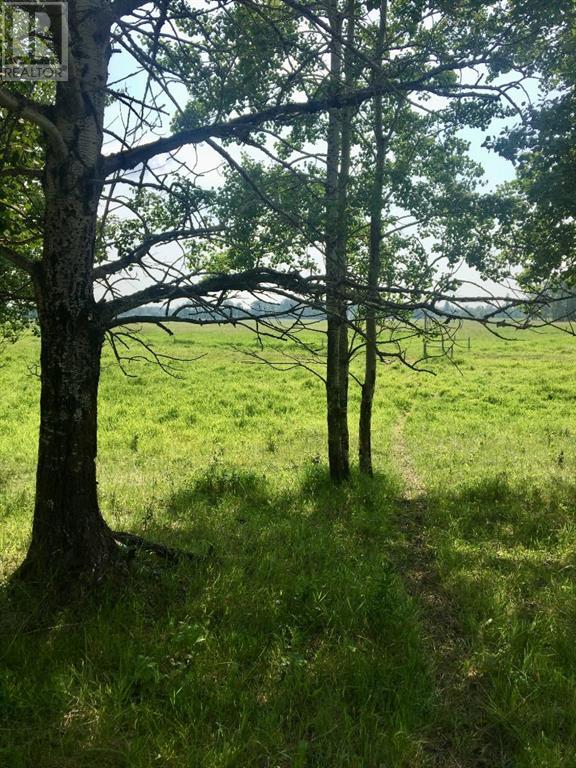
{"x": 496, "y": 449}
{"x": 299, "y": 641}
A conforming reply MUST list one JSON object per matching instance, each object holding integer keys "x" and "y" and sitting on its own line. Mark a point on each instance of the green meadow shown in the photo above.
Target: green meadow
{"x": 426, "y": 617}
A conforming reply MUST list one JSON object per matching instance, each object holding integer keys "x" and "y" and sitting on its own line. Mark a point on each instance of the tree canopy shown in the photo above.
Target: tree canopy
{"x": 541, "y": 222}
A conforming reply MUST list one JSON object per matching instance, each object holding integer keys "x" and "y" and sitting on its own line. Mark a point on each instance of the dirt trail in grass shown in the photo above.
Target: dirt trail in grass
{"x": 459, "y": 738}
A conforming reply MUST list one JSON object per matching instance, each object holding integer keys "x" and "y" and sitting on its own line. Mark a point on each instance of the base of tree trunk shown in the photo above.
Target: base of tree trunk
{"x": 365, "y": 466}
{"x": 88, "y": 563}
{"x": 47, "y": 569}
{"x": 339, "y": 472}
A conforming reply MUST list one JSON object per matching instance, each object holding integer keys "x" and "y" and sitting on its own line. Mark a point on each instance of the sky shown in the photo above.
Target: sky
{"x": 497, "y": 169}
{"x": 201, "y": 158}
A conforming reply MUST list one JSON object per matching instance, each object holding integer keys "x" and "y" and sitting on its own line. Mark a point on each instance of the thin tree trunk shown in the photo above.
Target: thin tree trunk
{"x": 342, "y": 231}
{"x": 69, "y": 535}
{"x": 370, "y": 363}
{"x": 339, "y": 142}
{"x": 337, "y": 455}
{"x": 336, "y": 327}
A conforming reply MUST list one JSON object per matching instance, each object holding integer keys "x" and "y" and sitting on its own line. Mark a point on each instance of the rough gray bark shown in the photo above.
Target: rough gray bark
{"x": 370, "y": 362}
{"x": 69, "y": 534}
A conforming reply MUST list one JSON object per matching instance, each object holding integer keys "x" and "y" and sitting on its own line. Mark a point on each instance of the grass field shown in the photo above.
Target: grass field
{"x": 425, "y": 618}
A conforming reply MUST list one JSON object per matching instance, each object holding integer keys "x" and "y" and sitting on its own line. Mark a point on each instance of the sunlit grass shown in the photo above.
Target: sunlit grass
{"x": 297, "y": 643}
{"x": 497, "y": 451}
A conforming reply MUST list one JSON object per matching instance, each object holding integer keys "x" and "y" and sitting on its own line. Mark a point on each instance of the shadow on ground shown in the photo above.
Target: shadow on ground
{"x": 299, "y": 643}
{"x": 500, "y": 580}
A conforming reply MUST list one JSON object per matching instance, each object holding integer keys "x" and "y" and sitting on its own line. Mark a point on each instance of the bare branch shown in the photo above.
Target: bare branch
{"x": 254, "y": 279}
{"x": 240, "y": 126}
{"x": 135, "y": 255}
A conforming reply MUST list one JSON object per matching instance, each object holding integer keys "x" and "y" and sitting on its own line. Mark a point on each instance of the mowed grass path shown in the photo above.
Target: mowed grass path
{"x": 303, "y": 641}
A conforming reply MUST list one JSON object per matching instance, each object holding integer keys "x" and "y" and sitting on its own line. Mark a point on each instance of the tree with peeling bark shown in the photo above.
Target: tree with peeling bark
{"x": 236, "y": 91}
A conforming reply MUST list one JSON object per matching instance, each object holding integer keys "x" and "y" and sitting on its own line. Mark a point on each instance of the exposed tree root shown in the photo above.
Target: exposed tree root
{"x": 136, "y": 543}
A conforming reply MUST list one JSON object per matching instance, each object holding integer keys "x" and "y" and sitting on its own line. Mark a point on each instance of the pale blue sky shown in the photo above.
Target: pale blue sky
{"x": 202, "y": 159}
{"x": 497, "y": 169}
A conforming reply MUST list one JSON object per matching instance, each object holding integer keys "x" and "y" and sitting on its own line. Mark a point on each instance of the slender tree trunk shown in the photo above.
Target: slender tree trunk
{"x": 341, "y": 256}
{"x": 336, "y": 361}
{"x": 341, "y": 260}
{"x": 347, "y": 116}
{"x": 69, "y": 536}
{"x": 339, "y": 141}
{"x": 370, "y": 363}
{"x": 367, "y": 399}
{"x": 336, "y": 418}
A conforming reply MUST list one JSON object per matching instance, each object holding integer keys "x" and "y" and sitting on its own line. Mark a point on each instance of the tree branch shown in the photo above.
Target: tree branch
{"x": 30, "y": 173}
{"x": 137, "y": 543}
{"x": 240, "y": 126}
{"x": 237, "y": 127}
{"x": 135, "y": 255}
{"x": 32, "y": 112}
{"x": 16, "y": 259}
{"x": 250, "y": 280}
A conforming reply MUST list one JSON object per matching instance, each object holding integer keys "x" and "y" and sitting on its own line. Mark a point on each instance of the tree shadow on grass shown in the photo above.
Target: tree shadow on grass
{"x": 512, "y": 512}
{"x": 504, "y": 556}
{"x": 296, "y": 645}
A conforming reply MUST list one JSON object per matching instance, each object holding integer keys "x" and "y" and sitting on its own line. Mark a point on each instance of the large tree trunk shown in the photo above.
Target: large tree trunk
{"x": 370, "y": 363}
{"x": 69, "y": 536}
